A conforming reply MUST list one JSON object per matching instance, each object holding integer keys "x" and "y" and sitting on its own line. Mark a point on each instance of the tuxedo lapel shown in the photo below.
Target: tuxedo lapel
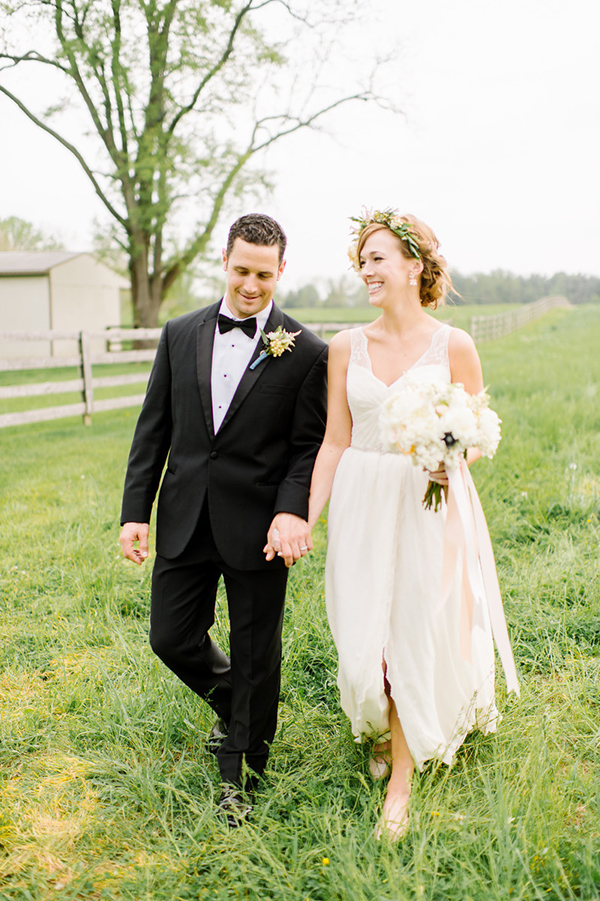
{"x": 251, "y": 376}
{"x": 204, "y": 352}
{"x": 274, "y": 320}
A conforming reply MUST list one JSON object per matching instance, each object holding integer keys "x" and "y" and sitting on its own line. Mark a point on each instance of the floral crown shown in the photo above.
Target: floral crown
{"x": 392, "y": 220}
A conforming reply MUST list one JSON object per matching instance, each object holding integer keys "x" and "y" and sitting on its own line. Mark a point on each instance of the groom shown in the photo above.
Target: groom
{"x": 238, "y": 430}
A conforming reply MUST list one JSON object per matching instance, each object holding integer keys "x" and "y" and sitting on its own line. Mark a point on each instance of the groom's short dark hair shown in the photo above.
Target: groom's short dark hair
{"x": 256, "y": 228}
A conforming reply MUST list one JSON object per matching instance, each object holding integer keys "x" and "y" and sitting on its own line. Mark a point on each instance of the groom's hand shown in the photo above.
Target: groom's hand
{"x": 288, "y": 537}
{"x": 130, "y": 533}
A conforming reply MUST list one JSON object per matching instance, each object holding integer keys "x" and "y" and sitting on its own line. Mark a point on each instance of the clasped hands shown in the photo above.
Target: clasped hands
{"x": 288, "y": 537}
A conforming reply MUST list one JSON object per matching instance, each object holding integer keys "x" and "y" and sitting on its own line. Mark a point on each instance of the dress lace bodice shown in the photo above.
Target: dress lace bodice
{"x": 366, "y": 393}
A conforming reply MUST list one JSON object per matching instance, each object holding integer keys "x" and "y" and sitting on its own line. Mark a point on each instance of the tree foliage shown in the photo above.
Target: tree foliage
{"x": 505, "y": 287}
{"x": 18, "y": 234}
{"x": 178, "y": 96}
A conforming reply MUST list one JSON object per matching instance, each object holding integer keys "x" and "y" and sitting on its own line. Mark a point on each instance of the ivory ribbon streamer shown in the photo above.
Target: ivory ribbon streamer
{"x": 467, "y": 545}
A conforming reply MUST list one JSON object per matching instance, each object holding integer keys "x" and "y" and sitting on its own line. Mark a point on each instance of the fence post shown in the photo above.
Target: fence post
{"x": 86, "y": 371}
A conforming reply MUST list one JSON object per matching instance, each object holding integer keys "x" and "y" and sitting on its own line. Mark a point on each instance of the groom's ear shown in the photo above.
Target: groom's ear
{"x": 224, "y": 255}
{"x": 281, "y": 268}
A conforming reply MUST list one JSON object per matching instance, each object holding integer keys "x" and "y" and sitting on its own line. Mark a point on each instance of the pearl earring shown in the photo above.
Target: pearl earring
{"x": 412, "y": 280}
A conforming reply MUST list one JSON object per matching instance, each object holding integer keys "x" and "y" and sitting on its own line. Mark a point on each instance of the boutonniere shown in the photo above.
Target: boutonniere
{"x": 275, "y": 343}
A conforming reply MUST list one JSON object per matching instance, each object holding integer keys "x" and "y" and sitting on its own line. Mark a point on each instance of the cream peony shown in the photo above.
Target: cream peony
{"x": 437, "y": 422}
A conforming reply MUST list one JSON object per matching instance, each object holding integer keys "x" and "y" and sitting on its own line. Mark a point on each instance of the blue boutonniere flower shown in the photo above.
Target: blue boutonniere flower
{"x": 275, "y": 344}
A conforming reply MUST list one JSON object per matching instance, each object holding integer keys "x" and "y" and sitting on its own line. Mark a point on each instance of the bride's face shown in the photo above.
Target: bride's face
{"x": 384, "y": 268}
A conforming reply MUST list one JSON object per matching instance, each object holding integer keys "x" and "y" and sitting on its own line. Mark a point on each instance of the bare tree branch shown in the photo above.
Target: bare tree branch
{"x": 301, "y": 123}
{"x": 174, "y": 269}
{"x": 32, "y": 56}
{"x": 199, "y": 244}
{"x": 72, "y": 149}
{"x": 216, "y": 68}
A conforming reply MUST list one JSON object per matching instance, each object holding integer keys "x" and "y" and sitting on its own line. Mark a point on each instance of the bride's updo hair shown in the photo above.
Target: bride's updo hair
{"x": 435, "y": 278}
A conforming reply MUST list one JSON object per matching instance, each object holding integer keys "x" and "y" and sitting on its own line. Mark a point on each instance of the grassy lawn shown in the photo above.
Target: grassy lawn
{"x": 107, "y": 790}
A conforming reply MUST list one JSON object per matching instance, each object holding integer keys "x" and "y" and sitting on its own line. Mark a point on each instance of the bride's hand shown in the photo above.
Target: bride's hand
{"x": 439, "y": 475}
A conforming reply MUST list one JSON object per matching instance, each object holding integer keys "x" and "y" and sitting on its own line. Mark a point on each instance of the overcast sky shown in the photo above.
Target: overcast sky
{"x": 498, "y": 149}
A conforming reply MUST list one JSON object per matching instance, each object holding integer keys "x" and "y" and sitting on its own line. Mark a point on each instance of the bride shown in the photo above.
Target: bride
{"x": 404, "y": 680}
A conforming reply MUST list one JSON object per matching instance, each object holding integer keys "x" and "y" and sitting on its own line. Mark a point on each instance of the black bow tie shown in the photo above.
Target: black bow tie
{"x": 247, "y": 325}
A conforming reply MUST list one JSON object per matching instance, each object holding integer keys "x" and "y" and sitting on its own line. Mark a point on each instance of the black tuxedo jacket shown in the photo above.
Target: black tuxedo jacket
{"x": 260, "y": 461}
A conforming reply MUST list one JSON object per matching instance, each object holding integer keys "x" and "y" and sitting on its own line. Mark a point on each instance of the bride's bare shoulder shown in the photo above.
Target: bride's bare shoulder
{"x": 340, "y": 348}
{"x": 341, "y": 342}
{"x": 460, "y": 342}
{"x": 465, "y": 365}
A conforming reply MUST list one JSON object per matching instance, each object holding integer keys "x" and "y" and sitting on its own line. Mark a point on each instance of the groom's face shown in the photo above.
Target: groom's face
{"x": 253, "y": 271}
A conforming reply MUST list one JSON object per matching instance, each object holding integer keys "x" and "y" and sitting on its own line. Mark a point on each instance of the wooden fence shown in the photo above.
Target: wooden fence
{"x": 485, "y": 328}
{"x": 84, "y": 360}
{"x": 86, "y": 383}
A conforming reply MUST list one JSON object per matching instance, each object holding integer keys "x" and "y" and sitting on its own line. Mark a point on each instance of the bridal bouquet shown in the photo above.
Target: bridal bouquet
{"x": 436, "y": 422}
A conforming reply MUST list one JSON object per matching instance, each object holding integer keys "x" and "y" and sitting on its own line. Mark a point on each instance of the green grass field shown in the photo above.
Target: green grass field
{"x": 107, "y": 790}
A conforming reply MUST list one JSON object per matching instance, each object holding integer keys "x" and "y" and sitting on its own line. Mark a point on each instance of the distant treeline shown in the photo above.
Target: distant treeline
{"x": 490, "y": 288}
{"x": 504, "y": 287}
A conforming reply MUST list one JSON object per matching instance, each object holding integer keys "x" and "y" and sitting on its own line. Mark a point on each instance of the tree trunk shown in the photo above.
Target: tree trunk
{"x": 145, "y": 293}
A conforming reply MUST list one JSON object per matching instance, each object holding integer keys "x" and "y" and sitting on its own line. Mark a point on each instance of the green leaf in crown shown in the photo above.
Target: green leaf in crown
{"x": 391, "y": 220}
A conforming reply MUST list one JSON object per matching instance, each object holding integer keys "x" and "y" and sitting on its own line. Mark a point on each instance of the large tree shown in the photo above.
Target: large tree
{"x": 174, "y": 95}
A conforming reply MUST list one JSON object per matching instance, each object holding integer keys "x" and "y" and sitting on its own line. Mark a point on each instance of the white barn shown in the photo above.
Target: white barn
{"x": 55, "y": 290}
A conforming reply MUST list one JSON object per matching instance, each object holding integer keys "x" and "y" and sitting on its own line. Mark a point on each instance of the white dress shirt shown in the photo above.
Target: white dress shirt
{"x": 232, "y": 353}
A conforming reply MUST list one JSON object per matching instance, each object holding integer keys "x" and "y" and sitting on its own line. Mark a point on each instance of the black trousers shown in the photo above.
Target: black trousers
{"x": 243, "y": 690}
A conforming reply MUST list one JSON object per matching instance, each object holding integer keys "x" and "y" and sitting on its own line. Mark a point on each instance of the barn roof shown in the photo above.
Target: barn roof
{"x": 39, "y": 262}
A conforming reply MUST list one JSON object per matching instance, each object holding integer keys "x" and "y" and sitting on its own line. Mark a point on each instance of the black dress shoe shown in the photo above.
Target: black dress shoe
{"x": 233, "y": 805}
{"x": 217, "y": 736}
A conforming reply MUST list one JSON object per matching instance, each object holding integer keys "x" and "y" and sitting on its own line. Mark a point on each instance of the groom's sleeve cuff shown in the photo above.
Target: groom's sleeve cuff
{"x": 292, "y": 498}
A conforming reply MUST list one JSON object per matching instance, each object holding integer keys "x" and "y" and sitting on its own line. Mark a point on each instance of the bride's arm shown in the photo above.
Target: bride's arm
{"x": 338, "y": 430}
{"x": 465, "y": 367}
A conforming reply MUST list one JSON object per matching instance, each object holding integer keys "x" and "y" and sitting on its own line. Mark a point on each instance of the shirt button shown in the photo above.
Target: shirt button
{"x": 213, "y": 455}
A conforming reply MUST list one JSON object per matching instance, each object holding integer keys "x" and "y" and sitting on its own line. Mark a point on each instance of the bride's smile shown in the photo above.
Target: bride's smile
{"x": 384, "y": 269}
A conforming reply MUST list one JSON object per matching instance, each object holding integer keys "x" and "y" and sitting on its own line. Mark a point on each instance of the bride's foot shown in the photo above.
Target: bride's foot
{"x": 393, "y": 823}
{"x": 381, "y": 760}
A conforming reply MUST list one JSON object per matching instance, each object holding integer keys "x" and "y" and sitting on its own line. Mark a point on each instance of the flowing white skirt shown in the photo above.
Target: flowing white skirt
{"x": 383, "y": 589}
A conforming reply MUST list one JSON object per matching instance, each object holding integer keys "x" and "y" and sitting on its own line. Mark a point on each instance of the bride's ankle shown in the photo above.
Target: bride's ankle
{"x": 397, "y": 793}
{"x": 399, "y": 786}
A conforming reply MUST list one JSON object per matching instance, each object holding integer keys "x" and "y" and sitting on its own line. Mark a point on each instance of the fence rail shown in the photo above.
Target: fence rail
{"x": 486, "y": 328}
{"x": 85, "y": 361}
{"x": 87, "y": 383}
{"x": 483, "y": 328}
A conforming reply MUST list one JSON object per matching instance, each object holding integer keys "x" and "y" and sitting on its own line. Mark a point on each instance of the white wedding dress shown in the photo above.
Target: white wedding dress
{"x": 383, "y": 584}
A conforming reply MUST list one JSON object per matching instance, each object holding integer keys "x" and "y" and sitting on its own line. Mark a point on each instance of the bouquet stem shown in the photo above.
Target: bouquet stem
{"x": 433, "y": 496}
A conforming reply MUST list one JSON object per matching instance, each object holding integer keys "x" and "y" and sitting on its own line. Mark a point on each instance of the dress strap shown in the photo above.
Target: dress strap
{"x": 359, "y": 353}
{"x": 437, "y": 352}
